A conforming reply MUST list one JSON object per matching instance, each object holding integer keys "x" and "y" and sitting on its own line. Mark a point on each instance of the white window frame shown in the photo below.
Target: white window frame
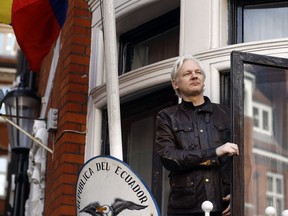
{"x": 4, "y": 174}
{"x": 263, "y": 107}
{"x": 274, "y": 195}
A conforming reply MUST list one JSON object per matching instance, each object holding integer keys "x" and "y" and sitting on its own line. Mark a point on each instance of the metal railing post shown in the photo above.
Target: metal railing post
{"x": 285, "y": 212}
{"x": 270, "y": 211}
{"x": 207, "y": 207}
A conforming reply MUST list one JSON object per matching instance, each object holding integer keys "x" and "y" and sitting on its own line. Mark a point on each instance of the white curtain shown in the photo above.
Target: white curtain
{"x": 265, "y": 23}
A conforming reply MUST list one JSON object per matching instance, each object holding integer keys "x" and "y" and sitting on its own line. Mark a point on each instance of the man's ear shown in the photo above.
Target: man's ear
{"x": 174, "y": 84}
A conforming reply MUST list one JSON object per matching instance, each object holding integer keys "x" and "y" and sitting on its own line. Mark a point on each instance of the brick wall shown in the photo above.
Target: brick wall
{"x": 69, "y": 95}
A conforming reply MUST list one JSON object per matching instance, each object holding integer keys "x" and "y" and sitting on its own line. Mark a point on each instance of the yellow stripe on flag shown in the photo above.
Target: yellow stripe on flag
{"x": 5, "y": 11}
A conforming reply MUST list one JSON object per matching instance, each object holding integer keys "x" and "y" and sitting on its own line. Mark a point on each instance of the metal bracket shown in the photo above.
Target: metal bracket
{"x": 52, "y": 120}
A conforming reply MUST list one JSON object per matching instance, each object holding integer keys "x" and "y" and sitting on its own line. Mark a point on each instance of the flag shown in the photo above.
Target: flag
{"x": 37, "y": 24}
{"x": 5, "y": 11}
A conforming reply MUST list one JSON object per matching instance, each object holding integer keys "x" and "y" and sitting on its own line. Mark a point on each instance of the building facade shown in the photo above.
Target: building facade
{"x": 150, "y": 35}
{"x": 8, "y": 66}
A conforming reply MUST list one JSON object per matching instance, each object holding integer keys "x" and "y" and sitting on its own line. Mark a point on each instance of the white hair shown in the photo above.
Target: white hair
{"x": 177, "y": 66}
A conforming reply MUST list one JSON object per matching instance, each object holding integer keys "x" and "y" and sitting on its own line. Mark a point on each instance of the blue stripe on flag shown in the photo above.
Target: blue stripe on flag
{"x": 59, "y": 8}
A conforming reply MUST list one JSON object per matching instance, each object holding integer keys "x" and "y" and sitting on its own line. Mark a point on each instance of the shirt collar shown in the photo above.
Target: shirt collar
{"x": 205, "y": 107}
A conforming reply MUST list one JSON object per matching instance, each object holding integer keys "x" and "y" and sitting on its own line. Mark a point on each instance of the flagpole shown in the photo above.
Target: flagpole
{"x": 112, "y": 83}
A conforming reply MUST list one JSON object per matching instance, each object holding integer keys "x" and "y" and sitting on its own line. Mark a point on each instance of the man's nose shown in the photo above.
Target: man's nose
{"x": 193, "y": 75}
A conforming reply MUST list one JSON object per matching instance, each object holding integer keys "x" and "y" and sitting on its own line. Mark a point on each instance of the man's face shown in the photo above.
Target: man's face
{"x": 190, "y": 79}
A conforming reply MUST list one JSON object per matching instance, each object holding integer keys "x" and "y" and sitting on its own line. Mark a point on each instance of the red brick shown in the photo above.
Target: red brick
{"x": 69, "y": 95}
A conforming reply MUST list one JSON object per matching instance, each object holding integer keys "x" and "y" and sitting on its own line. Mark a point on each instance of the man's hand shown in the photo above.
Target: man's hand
{"x": 228, "y": 148}
{"x": 226, "y": 212}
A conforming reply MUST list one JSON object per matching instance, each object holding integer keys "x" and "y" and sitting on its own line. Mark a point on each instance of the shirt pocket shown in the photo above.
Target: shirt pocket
{"x": 220, "y": 133}
{"x": 183, "y": 192}
{"x": 185, "y": 136}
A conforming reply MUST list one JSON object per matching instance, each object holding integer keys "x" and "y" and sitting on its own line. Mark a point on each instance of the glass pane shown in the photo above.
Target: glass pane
{"x": 279, "y": 206}
{"x": 265, "y": 138}
{"x": 2, "y": 184}
{"x": 8, "y": 45}
{"x": 265, "y": 121}
{"x": 256, "y": 117}
{"x": 269, "y": 183}
{"x": 157, "y": 48}
{"x": 269, "y": 201}
{"x": 3, "y": 164}
{"x": 279, "y": 186}
{"x": 140, "y": 148}
{"x": 3, "y": 170}
{"x": 265, "y": 21}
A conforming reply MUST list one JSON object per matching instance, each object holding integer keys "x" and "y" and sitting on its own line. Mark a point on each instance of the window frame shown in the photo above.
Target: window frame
{"x": 4, "y": 174}
{"x": 238, "y": 59}
{"x": 274, "y": 195}
{"x": 261, "y": 108}
{"x": 141, "y": 33}
{"x": 236, "y": 18}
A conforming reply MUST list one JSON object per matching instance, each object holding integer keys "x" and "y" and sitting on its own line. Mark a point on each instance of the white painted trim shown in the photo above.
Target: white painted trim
{"x": 93, "y": 137}
{"x": 215, "y": 23}
{"x": 50, "y": 81}
{"x": 214, "y": 60}
{"x": 139, "y": 79}
{"x": 7, "y": 75}
{"x": 270, "y": 155}
{"x": 96, "y": 72}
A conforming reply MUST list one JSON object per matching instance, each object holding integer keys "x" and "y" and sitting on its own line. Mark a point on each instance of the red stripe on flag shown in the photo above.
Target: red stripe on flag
{"x": 36, "y": 29}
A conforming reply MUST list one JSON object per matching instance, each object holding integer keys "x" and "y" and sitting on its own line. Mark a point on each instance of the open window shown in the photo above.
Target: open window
{"x": 259, "y": 102}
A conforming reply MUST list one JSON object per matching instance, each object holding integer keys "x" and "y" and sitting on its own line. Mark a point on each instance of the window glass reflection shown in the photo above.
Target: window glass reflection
{"x": 3, "y": 172}
{"x": 8, "y": 44}
{"x": 265, "y": 138}
{"x": 140, "y": 148}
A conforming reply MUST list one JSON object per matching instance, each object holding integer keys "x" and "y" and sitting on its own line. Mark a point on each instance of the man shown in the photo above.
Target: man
{"x": 193, "y": 144}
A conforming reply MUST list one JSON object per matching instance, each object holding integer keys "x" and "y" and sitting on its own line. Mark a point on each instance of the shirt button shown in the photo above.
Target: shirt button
{"x": 206, "y": 180}
{"x": 201, "y": 131}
